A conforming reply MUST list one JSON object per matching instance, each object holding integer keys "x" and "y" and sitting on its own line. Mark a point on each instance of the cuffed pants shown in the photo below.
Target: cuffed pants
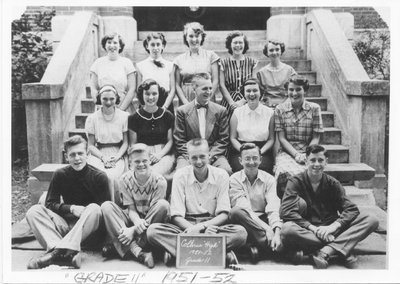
{"x": 296, "y": 238}
{"x": 256, "y": 233}
{"x": 115, "y": 219}
{"x": 53, "y": 231}
{"x": 221, "y": 162}
{"x": 165, "y": 236}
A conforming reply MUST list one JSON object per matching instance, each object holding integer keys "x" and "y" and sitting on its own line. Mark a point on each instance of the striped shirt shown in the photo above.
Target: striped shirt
{"x": 298, "y": 128}
{"x": 142, "y": 196}
{"x": 236, "y": 73}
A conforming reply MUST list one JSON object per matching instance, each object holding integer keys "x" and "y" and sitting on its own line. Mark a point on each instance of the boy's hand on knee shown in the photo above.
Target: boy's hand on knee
{"x": 126, "y": 235}
{"x": 77, "y": 210}
{"x": 140, "y": 226}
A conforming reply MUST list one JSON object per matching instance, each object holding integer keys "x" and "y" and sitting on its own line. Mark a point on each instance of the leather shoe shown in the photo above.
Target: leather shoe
{"x": 61, "y": 257}
{"x": 321, "y": 260}
{"x": 42, "y": 261}
{"x": 351, "y": 261}
{"x": 109, "y": 251}
{"x": 168, "y": 259}
{"x": 231, "y": 259}
{"x": 254, "y": 255}
{"x": 297, "y": 257}
{"x": 146, "y": 258}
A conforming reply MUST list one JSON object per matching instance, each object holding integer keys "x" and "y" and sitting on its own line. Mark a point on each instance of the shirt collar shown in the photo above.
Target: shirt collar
{"x": 244, "y": 178}
{"x": 210, "y": 179}
{"x": 289, "y": 107}
{"x": 257, "y": 110}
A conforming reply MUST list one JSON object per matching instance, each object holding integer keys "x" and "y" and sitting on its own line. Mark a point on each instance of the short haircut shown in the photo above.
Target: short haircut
{"x": 151, "y": 36}
{"x": 200, "y": 76}
{"x": 72, "y": 141}
{"x": 249, "y": 146}
{"x": 111, "y": 36}
{"x": 314, "y": 149}
{"x": 107, "y": 88}
{"x": 231, "y": 36}
{"x": 138, "y": 148}
{"x": 196, "y": 142}
{"x": 197, "y": 28}
{"x": 145, "y": 86}
{"x": 274, "y": 42}
{"x": 298, "y": 80}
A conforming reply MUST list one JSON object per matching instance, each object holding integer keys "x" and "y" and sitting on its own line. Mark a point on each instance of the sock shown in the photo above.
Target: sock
{"x": 135, "y": 249}
{"x": 328, "y": 250}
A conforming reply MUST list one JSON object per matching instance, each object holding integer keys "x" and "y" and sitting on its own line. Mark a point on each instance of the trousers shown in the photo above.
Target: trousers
{"x": 115, "y": 219}
{"x": 296, "y": 238}
{"x": 53, "y": 231}
{"x": 256, "y": 233}
{"x": 164, "y": 236}
{"x": 221, "y": 162}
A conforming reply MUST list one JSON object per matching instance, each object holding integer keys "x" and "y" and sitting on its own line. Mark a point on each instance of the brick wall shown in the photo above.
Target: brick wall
{"x": 69, "y": 10}
{"x": 364, "y": 17}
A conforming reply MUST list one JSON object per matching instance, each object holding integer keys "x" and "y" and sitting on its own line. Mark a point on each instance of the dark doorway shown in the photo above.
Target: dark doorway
{"x": 213, "y": 18}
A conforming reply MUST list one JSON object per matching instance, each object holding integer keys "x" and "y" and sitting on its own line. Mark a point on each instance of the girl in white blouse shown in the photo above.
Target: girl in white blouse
{"x": 252, "y": 122}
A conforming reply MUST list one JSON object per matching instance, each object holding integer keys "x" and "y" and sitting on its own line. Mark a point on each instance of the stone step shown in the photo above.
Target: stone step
{"x": 348, "y": 173}
{"x": 211, "y": 35}
{"x": 87, "y": 105}
{"x": 378, "y": 213}
{"x": 323, "y": 102}
{"x": 331, "y": 136}
{"x": 361, "y": 197}
{"x": 337, "y": 153}
{"x": 141, "y": 54}
{"x": 328, "y": 118}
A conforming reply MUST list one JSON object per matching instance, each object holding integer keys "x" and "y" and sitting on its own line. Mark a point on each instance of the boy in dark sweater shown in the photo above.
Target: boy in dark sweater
{"x": 72, "y": 208}
{"x": 318, "y": 216}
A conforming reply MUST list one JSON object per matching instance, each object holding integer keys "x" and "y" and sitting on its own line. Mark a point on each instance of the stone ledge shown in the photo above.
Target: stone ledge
{"x": 44, "y": 172}
{"x": 368, "y": 88}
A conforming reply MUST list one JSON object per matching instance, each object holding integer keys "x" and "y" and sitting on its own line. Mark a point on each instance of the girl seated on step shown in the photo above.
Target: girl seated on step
{"x": 298, "y": 124}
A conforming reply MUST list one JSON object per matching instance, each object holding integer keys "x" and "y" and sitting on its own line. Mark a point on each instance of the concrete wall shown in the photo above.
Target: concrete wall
{"x": 359, "y": 103}
{"x": 50, "y": 104}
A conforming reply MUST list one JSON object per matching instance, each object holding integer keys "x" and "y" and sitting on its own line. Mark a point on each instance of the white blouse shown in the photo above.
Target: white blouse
{"x": 253, "y": 125}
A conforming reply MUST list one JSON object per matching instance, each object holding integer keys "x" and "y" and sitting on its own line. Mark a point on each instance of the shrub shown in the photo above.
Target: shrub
{"x": 29, "y": 55}
{"x": 373, "y": 50}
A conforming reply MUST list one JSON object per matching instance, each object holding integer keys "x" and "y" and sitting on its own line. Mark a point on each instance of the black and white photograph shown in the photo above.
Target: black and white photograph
{"x": 240, "y": 142}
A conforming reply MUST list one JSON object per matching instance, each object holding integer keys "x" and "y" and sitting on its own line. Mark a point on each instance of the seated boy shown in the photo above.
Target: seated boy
{"x": 143, "y": 192}
{"x": 199, "y": 204}
{"x": 60, "y": 227}
{"x": 318, "y": 216}
{"x": 255, "y": 204}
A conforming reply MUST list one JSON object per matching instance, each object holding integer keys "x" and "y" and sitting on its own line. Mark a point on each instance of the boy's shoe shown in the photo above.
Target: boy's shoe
{"x": 146, "y": 258}
{"x": 321, "y": 260}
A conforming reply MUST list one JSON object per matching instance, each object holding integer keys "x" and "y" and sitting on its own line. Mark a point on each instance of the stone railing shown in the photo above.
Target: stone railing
{"x": 51, "y": 103}
{"x": 359, "y": 104}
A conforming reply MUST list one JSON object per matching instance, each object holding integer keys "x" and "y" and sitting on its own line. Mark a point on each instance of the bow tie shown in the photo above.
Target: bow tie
{"x": 158, "y": 63}
{"x": 199, "y": 106}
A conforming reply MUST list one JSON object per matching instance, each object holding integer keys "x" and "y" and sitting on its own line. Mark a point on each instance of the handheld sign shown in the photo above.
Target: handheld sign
{"x": 201, "y": 251}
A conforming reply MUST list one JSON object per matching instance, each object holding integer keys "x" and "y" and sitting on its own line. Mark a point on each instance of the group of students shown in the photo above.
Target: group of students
{"x": 225, "y": 157}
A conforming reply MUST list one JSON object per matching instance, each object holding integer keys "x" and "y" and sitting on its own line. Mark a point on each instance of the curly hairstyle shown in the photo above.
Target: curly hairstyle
{"x": 197, "y": 28}
{"x": 231, "y": 36}
{"x": 151, "y": 36}
{"x": 274, "y": 42}
{"x": 146, "y": 86}
{"x": 298, "y": 80}
{"x": 111, "y": 36}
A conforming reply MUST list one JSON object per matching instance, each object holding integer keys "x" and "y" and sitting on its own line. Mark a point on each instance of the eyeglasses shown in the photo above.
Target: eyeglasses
{"x": 254, "y": 159}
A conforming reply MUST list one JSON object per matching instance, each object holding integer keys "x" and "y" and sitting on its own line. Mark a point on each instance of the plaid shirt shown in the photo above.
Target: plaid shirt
{"x": 298, "y": 128}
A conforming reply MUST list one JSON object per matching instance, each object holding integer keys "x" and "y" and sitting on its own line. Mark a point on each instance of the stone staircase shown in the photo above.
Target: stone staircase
{"x": 339, "y": 165}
